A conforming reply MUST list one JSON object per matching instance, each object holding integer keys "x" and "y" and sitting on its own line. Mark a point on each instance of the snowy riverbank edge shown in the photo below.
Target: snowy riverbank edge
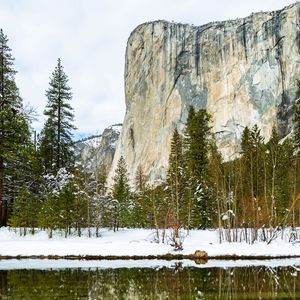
{"x": 136, "y": 244}
{"x": 45, "y": 264}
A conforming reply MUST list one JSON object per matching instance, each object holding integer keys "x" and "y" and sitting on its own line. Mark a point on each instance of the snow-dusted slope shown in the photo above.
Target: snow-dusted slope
{"x": 99, "y": 149}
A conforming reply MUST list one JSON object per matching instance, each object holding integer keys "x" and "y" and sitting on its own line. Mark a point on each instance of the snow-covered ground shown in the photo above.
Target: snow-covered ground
{"x": 129, "y": 242}
{"x": 43, "y": 264}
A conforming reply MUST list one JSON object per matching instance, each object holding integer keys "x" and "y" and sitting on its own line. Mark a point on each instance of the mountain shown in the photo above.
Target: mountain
{"x": 99, "y": 149}
{"x": 242, "y": 71}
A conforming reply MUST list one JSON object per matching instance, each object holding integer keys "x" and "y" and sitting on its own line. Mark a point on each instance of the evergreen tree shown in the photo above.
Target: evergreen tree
{"x": 121, "y": 194}
{"x": 87, "y": 184}
{"x": 56, "y": 137}
{"x": 100, "y": 179}
{"x": 49, "y": 216}
{"x": 297, "y": 120}
{"x": 279, "y": 183}
{"x": 176, "y": 181}
{"x": 99, "y": 198}
{"x": 14, "y": 132}
{"x": 258, "y": 149}
{"x": 247, "y": 162}
{"x": 197, "y": 159}
{"x": 198, "y": 134}
{"x": 140, "y": 197}
{"x": 25, "y": 210}
{"x": 253, "y": 174}
{"x": 216, "y": 179}
{"x": 296, "y": 144}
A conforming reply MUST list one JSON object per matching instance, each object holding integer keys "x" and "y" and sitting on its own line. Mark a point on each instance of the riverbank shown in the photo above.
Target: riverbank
{"x": 44, "y": 264}
{"x": 136, "y": 244}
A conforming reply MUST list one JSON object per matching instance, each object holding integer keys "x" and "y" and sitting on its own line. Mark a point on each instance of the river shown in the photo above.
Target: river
{"x": 44, "y": 279}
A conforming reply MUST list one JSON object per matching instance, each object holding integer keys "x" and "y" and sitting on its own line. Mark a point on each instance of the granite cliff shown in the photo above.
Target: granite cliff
{"x": 99, "y": 149}
{"x": 243, "y": 71}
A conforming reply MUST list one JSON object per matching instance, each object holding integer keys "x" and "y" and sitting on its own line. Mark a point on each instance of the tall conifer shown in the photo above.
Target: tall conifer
{"x": 297, "y": 120}
{"x": 56, "y": 137}
{"x": 121, "y": 194}
{"x": 197, "y": 157}
{"x": 177, "y": 181}
{"x": 14, "y": 132}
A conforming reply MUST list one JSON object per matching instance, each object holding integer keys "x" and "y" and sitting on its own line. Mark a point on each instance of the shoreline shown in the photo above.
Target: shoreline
{"x": 166, "y": 257}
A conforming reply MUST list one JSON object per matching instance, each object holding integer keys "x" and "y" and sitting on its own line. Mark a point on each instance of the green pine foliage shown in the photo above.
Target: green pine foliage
{"x": 25, "y": 210}
{"x": 279, "y": 183}
{"x": 56, "y": 144}
{"x": 123, "y": 205}
{"x": 197, "y": 143}
{"x": 246, "y": 162}
{"x": 297, "y": 120}
{"x": 66, "y": 208}
{"x": 49, "y": 217}
{"x": 140, "y": 199}
{"x": 14, "y": 132}
{"x": 177, "y": 182}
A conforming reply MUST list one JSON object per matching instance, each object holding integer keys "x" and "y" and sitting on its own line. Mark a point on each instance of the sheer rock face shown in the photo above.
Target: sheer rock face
{"x": 243, "y": 71}
{"x": 100, "y": 149}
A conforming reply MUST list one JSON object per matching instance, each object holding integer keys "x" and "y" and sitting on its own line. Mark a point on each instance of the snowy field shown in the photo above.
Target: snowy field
{"x": 130, "y": 242}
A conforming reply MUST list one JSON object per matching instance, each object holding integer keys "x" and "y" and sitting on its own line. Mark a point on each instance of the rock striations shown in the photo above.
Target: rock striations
{"x": 243, "y": 71}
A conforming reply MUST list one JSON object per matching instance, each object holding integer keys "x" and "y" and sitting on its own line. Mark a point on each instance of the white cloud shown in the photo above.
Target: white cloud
{"x": 90, "y": 37}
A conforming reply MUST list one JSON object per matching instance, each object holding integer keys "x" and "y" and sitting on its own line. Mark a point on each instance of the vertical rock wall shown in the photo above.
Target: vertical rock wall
{"x": 243, "y": 71}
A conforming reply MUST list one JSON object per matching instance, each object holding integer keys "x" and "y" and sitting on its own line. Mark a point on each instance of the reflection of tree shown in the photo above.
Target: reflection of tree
{"x": 157, "y": 283}
{"x": 3, "y": 282}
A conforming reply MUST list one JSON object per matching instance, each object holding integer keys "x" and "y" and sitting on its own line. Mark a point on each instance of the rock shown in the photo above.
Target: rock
{"x": 242, "y": 71}
{"x": 99, "y": 149}
{"x": 199, "y": 254}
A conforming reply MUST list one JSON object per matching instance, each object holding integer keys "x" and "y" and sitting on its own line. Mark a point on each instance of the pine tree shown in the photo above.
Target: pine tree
{"x": 279, "y": 167}
{"x": 14, "y": 132}
{"x": 25, "y": 211}
{"x": 176, "y": 181}
{"x": 197, "y": 159}
{"x": 49, "y": 216}
{"x": 253, "y": 174}
{"x": 296, "y": 145}
{"x": 88, "y": 187}
{"x": 198, "y": 134}
{"x": 100, "y": 178}
{"x": 99, "y": 197}
{"x": 121, "y": 194}
{"x": 297, "y": 120}
{"x": 67, "y": 208}
{"x": 246, "y": 166}
{"x": 56, "y": 136}
{"x": 140, "y": 198}
{"x": 258, "y": 157}
{"x": 216, "y": 173}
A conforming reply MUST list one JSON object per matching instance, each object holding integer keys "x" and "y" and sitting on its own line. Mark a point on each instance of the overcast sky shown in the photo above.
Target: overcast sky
{"x": 90, "y": 37}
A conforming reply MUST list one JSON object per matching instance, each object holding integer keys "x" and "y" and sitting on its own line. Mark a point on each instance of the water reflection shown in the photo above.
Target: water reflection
{"x": 152, "y": 283}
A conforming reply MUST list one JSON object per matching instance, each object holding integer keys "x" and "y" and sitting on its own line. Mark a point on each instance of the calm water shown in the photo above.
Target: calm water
{"x": 168, "y": 282}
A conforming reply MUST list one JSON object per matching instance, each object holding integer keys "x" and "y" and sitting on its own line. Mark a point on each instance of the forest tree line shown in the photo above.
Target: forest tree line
{"x": 41, "y": 186}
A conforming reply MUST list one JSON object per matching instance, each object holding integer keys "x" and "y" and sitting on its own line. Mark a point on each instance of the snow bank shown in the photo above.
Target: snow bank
{"x": 44, "y": 264}
{"x": 129, "y": 242}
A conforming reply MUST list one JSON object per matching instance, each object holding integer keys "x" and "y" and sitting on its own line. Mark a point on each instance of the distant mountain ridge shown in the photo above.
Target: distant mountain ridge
{"x": 99, "y": 149}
